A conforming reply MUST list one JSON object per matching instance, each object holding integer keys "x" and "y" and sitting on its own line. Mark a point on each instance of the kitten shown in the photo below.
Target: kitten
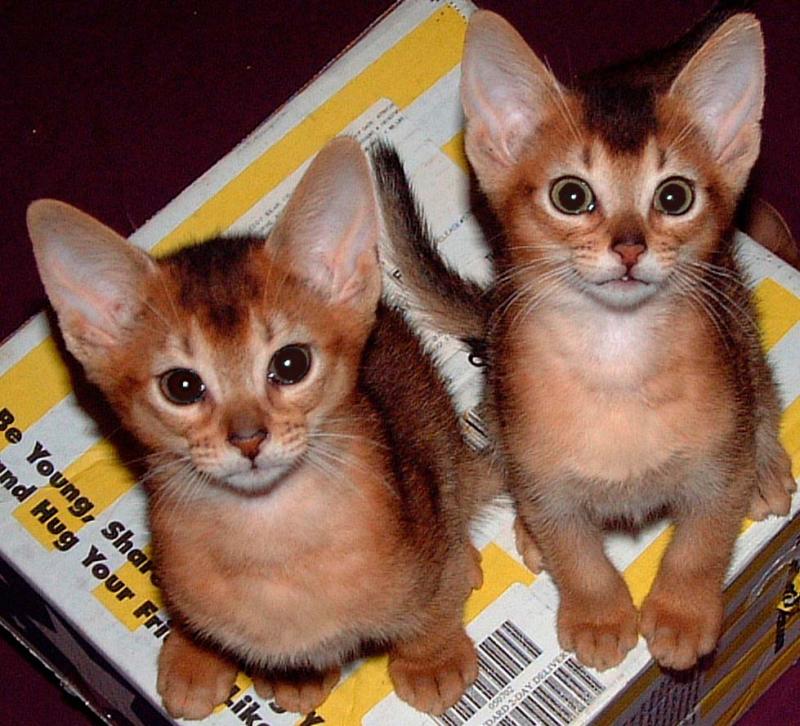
{"x": 309, "y": 493}
{"x": 626, "y": 375}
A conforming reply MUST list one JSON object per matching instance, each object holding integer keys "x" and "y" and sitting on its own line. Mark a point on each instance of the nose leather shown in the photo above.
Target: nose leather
{"x": 629, "y": 245}
{"x": 249, "y": 443}
{"x": 629, "y": 254}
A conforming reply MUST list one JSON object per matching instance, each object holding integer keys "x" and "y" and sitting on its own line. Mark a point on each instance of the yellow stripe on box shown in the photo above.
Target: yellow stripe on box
{"x": 353, "y": 698}
{"x": 370, "y": 684}
{"x": 32, "y": 386}
{"x": 397, "y": 75}
{"x": 500, "y": 571}
{"x": 455, "y": 150}
{"x": 243, "y": 682}
{"x": 97, "y": 476}
{"x": 779, "y": 311}
{"x": 40, "y": 380}
{"x": 111, "y": 593}
{"x": 639, "y": 575}
{"x": 790, "y": 434}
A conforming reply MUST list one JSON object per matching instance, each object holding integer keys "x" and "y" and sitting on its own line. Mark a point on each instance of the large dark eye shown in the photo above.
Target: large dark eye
{"x": 289, "y": 365}
{"x": 182, "y": 386}
{"x": 674, "y": 196}
{"x": 572, "y": 195}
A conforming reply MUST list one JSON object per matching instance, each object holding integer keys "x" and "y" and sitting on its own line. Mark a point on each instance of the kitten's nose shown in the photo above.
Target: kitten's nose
{"x": 629, "y": 246}
{"x": 248, "y": 442}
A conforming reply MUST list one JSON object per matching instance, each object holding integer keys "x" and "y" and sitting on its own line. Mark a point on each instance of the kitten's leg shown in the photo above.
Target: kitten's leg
{"x": 596, "y": 616}
{"x": 192, "y": 680}
{"x": 432, "y": 671}
{"x": 298, "y": 691}
{"x": 682, "y": 615}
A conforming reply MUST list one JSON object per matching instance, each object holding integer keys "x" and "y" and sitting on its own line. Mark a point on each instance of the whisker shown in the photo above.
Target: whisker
{"x": 699, "y": 302}
{"x": 731, "y": 306}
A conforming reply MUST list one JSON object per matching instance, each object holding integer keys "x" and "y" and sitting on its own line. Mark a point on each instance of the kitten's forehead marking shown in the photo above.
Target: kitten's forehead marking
{"x": 623, "y": 182}
{"x": 278, "y": 324}
{"x": 204, "y": 355}
{"x": 183, "y": 343}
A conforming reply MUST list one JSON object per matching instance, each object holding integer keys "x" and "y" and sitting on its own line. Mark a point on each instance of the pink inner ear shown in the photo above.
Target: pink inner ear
{"x": 92, "y": 276}
{"x": 723, "y": 85}
{"x": 505, "y": 90}
{"x": 331, "y": 222}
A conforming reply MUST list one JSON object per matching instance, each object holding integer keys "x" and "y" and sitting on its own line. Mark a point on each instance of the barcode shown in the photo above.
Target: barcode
{"x": 502, "y": 656}
{"x": 560, "y": 698}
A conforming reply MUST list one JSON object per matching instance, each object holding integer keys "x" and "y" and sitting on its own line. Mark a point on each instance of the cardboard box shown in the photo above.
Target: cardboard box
{"x": 75, "y": 568}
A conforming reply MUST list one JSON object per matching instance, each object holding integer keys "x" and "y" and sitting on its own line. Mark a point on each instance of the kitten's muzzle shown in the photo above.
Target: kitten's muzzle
{"x": 248, "y": 442}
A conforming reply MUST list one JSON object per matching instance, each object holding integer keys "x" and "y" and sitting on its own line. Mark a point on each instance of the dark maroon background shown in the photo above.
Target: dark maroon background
{"x": 117, "y": 106}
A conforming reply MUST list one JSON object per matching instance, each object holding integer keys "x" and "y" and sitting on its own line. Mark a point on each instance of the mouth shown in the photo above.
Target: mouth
{"x": 257, "y": 479}
{"x": 625, "y": 291}
{"x": 625, "y": 280}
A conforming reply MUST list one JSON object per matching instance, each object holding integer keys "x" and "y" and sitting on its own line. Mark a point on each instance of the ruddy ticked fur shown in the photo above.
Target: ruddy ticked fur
{"x": 626, "y": 375}
{"x": 309, "y": 491}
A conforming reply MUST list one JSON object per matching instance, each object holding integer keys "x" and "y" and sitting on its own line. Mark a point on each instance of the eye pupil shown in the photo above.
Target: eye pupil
{"x": 674, "y": 196}
{"x": 290, "y": 365}
{"x": 572, "y": 195}
{"x": 182, "y": 386}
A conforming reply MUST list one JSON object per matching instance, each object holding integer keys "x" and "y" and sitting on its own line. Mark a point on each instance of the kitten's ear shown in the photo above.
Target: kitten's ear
{"x": 505, "y": 90}
{"x": 92, "y": 276}
{"x": 330, "y": 227}
{"x": 723, "y": 87}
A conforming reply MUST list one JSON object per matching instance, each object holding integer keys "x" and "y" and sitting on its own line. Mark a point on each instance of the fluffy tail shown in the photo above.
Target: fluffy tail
{"x": 442, "y": 298}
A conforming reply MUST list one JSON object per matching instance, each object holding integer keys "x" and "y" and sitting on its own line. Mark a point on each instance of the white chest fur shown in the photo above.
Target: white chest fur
{"x": 606, "y": 395}
{"x": 284, "y": 573}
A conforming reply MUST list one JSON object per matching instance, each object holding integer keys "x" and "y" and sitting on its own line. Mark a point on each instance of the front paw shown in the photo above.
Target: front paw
{"x": 434, "y": 682}
{"x": 681, "y": 626}
{"x": 300, "y": 693}
{"x": 599, "y": 630}
{"x": 192, "y": 681}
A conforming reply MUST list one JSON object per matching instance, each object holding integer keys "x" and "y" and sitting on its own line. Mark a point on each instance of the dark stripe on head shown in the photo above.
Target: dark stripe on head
{"x": 622, "y": 115}
{"x": 215, "y": 280}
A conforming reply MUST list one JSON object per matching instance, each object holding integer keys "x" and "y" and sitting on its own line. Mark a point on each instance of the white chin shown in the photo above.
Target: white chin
{"x": 622, "y": 293}
{"x": 254, "y": 480}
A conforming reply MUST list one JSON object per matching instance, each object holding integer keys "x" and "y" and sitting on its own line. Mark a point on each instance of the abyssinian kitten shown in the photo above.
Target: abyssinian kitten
{"x": 626, "y": 376}
{"x": 309, "y": 492}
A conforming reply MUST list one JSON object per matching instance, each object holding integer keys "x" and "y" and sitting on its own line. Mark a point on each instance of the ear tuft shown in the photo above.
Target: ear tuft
{"x": 505, "y": 90}
{"x": 92, "y": 276}
{"x": 723, "y": 88}
{"x": 330, "y": 227}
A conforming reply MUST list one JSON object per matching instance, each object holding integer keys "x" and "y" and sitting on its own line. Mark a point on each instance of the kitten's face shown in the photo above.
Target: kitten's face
{"x": 234, "y": 380}
{"x": 619, "y": 190}
{"x": 232, "y": 359}
{"x": 618, "y": 227}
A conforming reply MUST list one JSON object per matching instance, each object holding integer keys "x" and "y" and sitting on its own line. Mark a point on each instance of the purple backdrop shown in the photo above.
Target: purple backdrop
{"x": 116, "y": 107}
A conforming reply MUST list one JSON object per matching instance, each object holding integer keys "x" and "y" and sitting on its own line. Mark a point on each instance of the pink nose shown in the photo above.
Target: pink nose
{"x": 628, "y": 253}
{"x": 249, "y": 442}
